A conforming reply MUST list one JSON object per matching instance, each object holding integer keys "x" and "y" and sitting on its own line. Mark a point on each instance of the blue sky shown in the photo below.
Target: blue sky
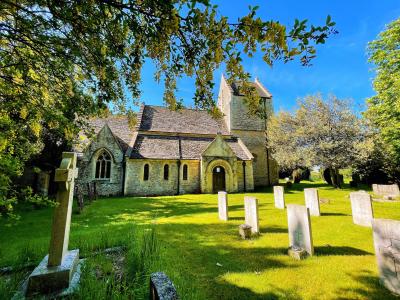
{"x": 341, "y": 66}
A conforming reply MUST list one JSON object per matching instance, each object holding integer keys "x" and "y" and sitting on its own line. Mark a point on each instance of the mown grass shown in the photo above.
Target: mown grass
{"x": 191, "y": 241}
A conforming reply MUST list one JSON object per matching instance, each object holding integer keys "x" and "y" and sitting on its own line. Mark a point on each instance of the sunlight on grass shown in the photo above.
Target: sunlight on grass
{"x": 205, "y": 257}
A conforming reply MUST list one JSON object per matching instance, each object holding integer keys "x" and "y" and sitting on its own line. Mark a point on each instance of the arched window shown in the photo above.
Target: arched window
{"x": 185, "y": 172}
{"x": 166, "y": 172}
{"x": 146, "y": 172}
{"x": 103, "y": 166}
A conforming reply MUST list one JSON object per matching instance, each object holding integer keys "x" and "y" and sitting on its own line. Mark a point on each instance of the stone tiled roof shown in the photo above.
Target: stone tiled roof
{"x": 119, "y": 126}
{"x": 191, "y": 121}
{"x": 261, "y": 90}
{"x": 167, "y": 147}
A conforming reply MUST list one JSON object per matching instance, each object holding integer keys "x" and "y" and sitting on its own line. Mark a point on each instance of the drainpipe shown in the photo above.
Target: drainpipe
{"x": 179, "y": 165}
{"x": 266, "y": 140}
{"x": 244, "y": 175}
{"x": 179, "y": 177}
{"x": 123, "y": 175}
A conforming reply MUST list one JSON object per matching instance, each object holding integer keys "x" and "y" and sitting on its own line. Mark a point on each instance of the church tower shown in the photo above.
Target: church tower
{"x": 249, "y": 128}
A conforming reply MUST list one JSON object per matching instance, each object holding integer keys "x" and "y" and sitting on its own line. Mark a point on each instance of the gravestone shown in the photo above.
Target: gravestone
{"x": 299, "y": 225}
{"x": 279, "y": 197}
{"x": 251, "y": 213}
{"x": 386, "y": 190}
{"x": 387, "y": 251}
{"x": 43, "y": 181}
{"x": 223, "y": 206}
{"x": 245, "y": 231}
{"x": 312, "y": 201}
{"x": 79, "y": 198}
{"x": 361, "y": 208}
{"x": 59, "y": 268}
{"x": 161, "y": 287}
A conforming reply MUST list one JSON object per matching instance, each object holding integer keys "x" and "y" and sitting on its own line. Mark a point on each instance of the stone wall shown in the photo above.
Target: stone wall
{"x": 255, "y": 142}
{"x": 224, "y": 99}
{"x": 156, "y": 184}
{"x": 249, "y": 176}
{"x": 105, "y": 140}
{"x": 251, "y": 130}
{"x": 241, "y": 119}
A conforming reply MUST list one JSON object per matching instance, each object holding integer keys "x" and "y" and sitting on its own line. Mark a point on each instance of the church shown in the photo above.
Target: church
{"x": 179, "y": 152}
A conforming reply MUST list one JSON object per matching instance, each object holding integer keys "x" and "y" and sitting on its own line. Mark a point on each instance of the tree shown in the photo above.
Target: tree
{"x": 321, "y": 132}
{"x": 384, "y": 108}
{"x": 61, "y": 61}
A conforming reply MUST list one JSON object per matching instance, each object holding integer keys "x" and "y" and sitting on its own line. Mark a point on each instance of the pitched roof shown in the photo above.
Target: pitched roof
{"x": 167, "y": 147}
{"x": 192, "y": 121}
{"x": 119, "y": 126}
{"x": 261, "y": 90}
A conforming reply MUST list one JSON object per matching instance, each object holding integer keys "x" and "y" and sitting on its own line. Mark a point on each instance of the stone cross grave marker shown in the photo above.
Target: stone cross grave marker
{"x": 251, "y": 213}
{"x": 223, "y": 206}
{"x": 57, "y": 269}
{"x": 312, "y": 201}
{"x": 387, "y": 251}
{"x": 361, "y": 208}
{"x": 299, "y": 225}
{"x": 279, "y": 197}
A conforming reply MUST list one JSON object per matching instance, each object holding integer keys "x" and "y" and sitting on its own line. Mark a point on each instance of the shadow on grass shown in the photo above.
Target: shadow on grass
{"x": 339, "y": 250}
{"x": 236, "y": 218}
{"x": 245, "y": 293}
{"x": 213, "y": 264}
{"x": 333, "y": 214}
{"x": 273, "y": 229}
{"x": 373, "y": 288}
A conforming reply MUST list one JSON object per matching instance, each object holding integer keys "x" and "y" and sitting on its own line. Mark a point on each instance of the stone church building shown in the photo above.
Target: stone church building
{"x": 178, "y": 152}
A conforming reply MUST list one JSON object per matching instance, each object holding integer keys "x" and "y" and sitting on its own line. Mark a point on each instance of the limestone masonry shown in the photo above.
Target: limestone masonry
{"x": 178, "y": 152}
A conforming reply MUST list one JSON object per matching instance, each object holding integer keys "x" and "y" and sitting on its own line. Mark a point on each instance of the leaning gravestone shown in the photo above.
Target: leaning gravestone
{"x": 223, "y": 206}
{"x": 312, "y": 201}
{"x": 361, "y": 208}
{"x": 387, "y": 250}
{"x": 279, "y": 197}
{"x": 251, "y": 213}
{"x": 58, "y": 269}
{"x": 299, "y": 225}
{"x": 391, "y": 190}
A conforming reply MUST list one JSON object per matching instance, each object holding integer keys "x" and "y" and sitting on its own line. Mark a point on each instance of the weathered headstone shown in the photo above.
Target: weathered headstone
{"x": 245, "y": 231}
{"x": 79, "y": 198}
{"x": 89, "y": 191}
{"x": 43, "y": 181}
{"x": 95, "y": 194}
{"x": 57, "y": 270}
{"x": 299, "y": 225}
{"x": 386, "y": 190}
{"x": 312, "y": 201}
{"x": 161, "y": 287}
{"x": 251, "y": 213}
{"x": 279, "y": 197}
{"x": 223, "y": 206}
{"x": 361, "y": 208}
{"x": 387, "y": 250}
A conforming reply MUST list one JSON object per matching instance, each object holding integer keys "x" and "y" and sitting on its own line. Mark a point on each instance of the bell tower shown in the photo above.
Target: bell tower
{"x": 251, "y": 129}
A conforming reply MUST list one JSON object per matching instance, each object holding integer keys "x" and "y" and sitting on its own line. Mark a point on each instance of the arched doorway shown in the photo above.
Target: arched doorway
{"x": 218, "y": 179}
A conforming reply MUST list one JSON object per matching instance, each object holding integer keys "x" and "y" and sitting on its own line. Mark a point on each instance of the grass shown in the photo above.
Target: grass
{"x": 191, "y": 241}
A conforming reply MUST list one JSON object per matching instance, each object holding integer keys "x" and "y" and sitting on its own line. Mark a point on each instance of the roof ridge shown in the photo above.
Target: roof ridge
{"x": 184, "y": 108}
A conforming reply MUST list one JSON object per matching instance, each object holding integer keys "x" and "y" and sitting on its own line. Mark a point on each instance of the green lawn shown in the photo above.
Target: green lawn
{"x": 192, "y": 241}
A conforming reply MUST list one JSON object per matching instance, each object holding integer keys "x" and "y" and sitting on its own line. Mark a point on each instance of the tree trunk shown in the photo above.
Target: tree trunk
{"x": 336, "y": 180}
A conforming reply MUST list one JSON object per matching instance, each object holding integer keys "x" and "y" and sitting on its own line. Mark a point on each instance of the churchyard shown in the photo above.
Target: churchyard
{"x": 204, "y": 256}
